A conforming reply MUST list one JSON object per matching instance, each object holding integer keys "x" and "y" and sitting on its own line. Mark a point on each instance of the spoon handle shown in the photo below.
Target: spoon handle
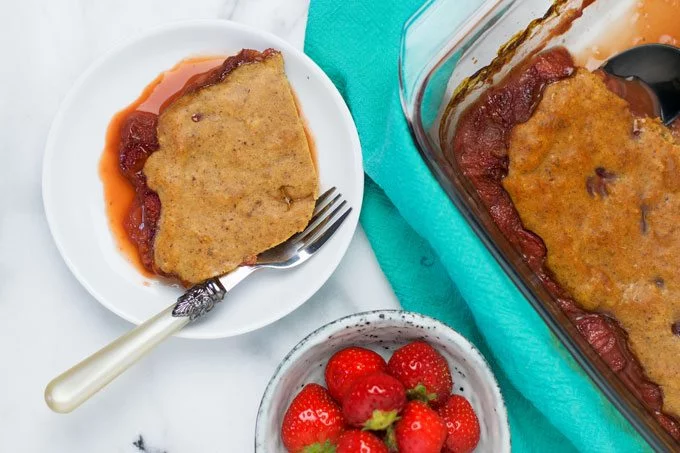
{"x": 76, "y": 385}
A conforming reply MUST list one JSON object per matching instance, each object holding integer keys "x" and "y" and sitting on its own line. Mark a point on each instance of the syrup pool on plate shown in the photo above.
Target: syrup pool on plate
{"x": 118, "y": 191}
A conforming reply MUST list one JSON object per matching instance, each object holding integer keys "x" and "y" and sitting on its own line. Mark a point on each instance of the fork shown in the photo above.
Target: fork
{"x": 76, "y": 385}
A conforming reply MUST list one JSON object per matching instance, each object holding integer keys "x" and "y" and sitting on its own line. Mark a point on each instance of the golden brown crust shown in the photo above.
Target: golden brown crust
{"x": 480, "y": 149}
{"x": 601, "y": 189}
{"x": 234, "y": 171}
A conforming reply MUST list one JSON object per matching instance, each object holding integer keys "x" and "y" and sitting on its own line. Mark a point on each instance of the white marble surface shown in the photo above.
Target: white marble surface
{"x": 188, "y": 396}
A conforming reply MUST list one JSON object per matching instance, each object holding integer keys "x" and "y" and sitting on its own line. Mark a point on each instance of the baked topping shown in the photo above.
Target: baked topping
{"x": 224, "y": 173}
{"x": 644, "y": 224}
{"x": 597, "y": 184}
{"x": 234, "y": 181}
{"x": 607, "y": 251}
{"x": 675, "y": 328}
{"x": 605, "y": 246}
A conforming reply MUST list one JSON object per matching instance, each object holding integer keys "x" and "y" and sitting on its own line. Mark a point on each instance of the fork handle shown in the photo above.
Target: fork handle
{"x": 76, "y": 385}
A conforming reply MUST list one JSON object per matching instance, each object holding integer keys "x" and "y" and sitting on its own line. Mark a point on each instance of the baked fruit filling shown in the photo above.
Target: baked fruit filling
{"x": 589, "y": 193}
{"x": 224, "y": 173}
{"x": 602, "y": 189}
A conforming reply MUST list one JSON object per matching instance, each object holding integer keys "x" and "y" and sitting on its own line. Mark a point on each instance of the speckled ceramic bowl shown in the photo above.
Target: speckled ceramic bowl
{"x": 384, "y": 331}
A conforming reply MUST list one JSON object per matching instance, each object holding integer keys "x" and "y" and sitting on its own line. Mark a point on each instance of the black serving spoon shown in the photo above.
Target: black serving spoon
{"x": 656, "y": 69}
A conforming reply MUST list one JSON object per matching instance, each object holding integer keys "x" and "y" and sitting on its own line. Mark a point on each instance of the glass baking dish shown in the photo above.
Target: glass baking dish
{"x": 455, "y": 48}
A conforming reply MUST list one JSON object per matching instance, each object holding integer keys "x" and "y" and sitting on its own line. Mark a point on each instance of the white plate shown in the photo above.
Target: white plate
{"x": 73, "y": 192}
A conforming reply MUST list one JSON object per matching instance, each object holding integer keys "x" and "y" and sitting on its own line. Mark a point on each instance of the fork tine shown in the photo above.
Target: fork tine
{"x": 317, "y": 213}
{"x": 324, "y": 196}
{"x": 323, "y": 210}
{"x": 309, "y": 240}
{"x": 316, "y": 244}
{"x": 311, "y": 233}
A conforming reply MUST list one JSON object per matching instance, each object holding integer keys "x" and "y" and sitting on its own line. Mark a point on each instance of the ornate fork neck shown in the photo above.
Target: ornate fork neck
{"x": 199, "y": 299}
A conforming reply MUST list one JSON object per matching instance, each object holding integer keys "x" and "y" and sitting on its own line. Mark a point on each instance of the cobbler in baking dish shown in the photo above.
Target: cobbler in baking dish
{"x": 587, "y": 188}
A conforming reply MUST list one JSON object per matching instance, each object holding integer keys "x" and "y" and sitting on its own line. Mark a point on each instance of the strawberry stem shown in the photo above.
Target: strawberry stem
{"x": 420, "y": 393}
{"x": 391, "y": 439}
{"x": 381, "y": 420}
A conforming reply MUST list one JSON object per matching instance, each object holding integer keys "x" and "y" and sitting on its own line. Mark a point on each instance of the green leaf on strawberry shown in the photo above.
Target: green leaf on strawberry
{"x": 381, "y": 420}
{"x": 326, "y": 447}
{"x": 420, "y": 393}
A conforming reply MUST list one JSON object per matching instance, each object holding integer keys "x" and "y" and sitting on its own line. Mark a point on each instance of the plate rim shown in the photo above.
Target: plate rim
{"x": 273, "y": 41}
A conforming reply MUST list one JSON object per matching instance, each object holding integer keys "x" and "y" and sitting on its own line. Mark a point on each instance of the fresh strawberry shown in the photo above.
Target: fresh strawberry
{"x": 356, "y": 441}
{"x": 462, "y": 425}
{"x": 374, "y": 401}
{"x": 349, "y": 364}
{"x": 313, "y": 422}
{"x": 420, "y": 430}
{"x": 423, "y": 371}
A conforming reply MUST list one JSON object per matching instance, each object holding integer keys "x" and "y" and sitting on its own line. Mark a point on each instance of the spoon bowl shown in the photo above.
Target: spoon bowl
{"x": 656, "y": 66}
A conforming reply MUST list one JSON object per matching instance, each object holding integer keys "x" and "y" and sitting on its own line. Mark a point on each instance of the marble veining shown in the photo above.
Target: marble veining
{"x": 45, "y": 46}
{"x": 141, "y": 445}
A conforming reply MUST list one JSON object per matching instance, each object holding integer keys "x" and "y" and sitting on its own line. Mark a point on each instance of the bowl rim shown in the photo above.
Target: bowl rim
{"x": 376, "y": 317}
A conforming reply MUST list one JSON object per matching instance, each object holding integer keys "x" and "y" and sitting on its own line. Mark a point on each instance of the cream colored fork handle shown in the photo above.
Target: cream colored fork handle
{"x": 75, "y": 386}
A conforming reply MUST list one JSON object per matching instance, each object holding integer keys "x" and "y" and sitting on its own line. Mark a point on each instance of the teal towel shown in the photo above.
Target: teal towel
{"x": 434, "y": 261}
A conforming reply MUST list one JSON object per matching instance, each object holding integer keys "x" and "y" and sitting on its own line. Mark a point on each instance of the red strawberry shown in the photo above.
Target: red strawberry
{"x": 462, "y": 425}
{"x": 356, "y": 441}
{"x": 420, "y": 430}
{"x": 374, "y": 401}
{"x": 349, "y": 364}
{"x": 313, "y": 422}
{"x": 423, "y": 371}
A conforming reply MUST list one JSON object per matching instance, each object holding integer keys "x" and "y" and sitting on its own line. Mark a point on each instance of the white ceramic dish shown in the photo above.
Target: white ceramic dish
{"x": 384, "y": 331}
{"x": 73, "y": 193}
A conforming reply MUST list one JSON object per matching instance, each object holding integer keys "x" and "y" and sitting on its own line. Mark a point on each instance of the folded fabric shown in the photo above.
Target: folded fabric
{"x": 435, "y": 263}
